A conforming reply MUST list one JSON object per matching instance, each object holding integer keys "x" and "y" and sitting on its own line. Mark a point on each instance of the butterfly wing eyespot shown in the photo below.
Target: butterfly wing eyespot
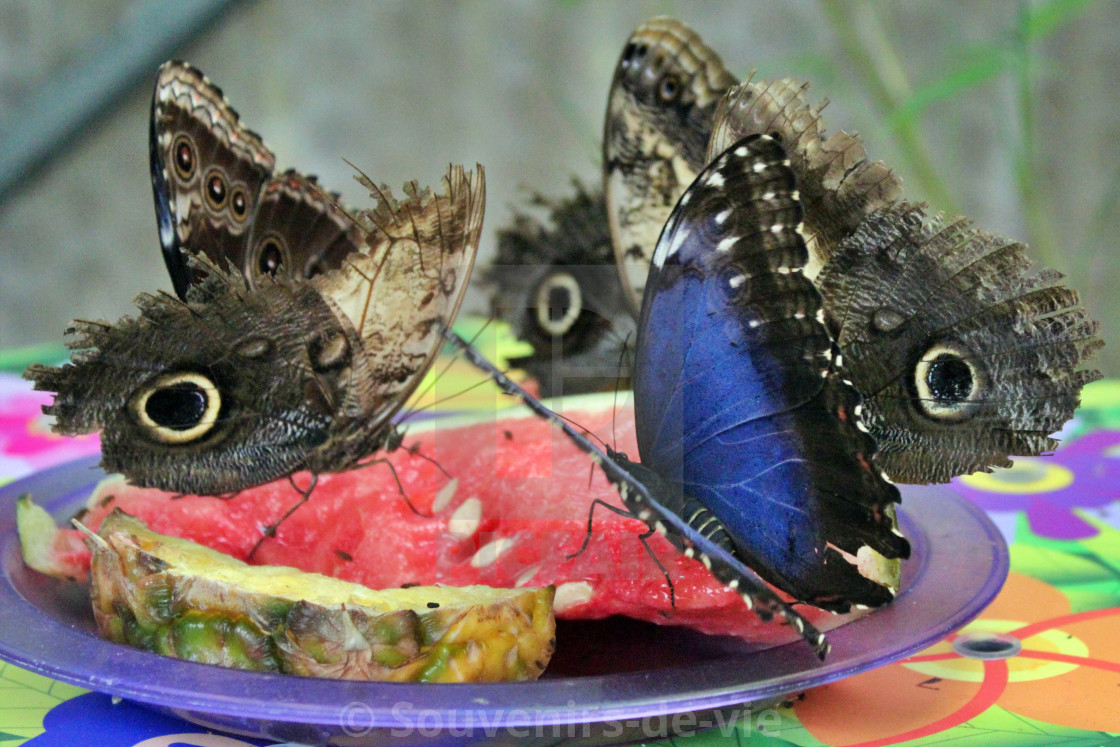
{"x": 669, "y": 88}
{"x": 559, "y": 303}
{"x": 239, "y": 203}
{"x": 216, "y": 190}
{"x": 270, "y": 255}
{"x": 183, "y": 157}
{"x": 178, "y": 408}
{"x": 947, "y": 384}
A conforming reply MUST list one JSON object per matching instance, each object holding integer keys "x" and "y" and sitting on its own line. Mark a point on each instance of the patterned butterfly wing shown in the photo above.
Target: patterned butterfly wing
{"x": 559, "y": 289}
{"x": 207, "y": 171}
{"x": 965, "y": 350}
{"x": 236, "y": 386}
{"x": 839, "y": 184}
{"x": 406, "y": 285}
{"x": 216, "y": 194}
{"x": 298, "y": 228}
{"x": 659, "y": 116}
{"x": 738, "y": 395}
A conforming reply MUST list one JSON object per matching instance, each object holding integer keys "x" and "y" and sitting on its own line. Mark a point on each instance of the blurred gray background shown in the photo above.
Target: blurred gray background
{"x": 1005, "y": 111}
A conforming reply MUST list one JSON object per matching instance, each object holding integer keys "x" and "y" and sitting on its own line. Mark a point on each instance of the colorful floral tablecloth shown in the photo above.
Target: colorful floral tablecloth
{"x": 1061, "y": 604}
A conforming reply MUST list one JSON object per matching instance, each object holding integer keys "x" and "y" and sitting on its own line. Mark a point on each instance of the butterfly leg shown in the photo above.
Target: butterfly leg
{"x": 414, "y": 450}
{"x": 397, "y": 480}
{"x": 643, "y": 538}
{"x": 270, "y": 530}
{"x": 591, "y": 516}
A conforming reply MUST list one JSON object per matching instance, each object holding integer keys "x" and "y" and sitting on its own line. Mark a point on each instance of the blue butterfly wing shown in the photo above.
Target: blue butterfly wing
{"x": 739, "y": 398}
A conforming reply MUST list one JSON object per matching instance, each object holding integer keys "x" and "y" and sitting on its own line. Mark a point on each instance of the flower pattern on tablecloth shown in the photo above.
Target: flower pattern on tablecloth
{"x": 26, "y": 442}
{"x": 1085, "y": 474}
{"x": 1065, "y": 676}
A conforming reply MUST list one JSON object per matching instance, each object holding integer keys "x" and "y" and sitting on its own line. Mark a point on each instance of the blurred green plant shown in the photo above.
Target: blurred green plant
{"x": 1013, "y": 54}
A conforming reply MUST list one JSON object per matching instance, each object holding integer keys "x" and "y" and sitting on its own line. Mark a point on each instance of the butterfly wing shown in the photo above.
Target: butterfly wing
{"x": 659, "y": 116}
{"x": 216, "y": 194}
{"x": 298, "y": 228}
{"x": 839, "y": 184}
{"x": 206, "y": 396}
{"x": 559, "y": 289}
{"x": 966, "y": 352}
{"x": 407, "y": 283}
{"x": 207, "y": 171}
{"x": 738, "y": 394}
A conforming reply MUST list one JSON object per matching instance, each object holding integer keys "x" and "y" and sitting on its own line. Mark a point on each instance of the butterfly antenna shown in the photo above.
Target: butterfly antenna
{"x": 332, "y": 199}
{"x": 450, "y": 363}
{"x": 583, "y": 429}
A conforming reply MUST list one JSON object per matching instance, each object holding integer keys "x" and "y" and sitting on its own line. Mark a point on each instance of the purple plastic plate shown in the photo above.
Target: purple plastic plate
{"x": 610, "y": 680}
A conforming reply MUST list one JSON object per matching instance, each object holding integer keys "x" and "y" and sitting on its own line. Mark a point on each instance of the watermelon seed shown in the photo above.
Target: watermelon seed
{"x": 571, "y": 594}
{"x": 466, "y": 519}
{"x": 526, "y": 575}
{"x": 445, "y": 494}
{"x": 490, "y": 552}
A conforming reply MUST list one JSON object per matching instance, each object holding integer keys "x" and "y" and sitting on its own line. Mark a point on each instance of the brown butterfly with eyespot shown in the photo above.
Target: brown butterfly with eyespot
{"x": 964, "y": 350}
{"x": 557, "y": 287}
{"x": 253, "y": 376}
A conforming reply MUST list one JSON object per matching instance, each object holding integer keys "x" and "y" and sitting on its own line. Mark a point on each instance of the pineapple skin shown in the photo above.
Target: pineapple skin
{"x": 142, "y": 600}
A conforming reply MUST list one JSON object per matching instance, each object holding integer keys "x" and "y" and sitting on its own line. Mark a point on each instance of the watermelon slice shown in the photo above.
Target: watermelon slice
{"x": 514, "y": 510}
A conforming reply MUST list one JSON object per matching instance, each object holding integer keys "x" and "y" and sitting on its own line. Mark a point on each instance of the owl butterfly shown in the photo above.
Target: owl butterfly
{"x": 753, "y": 454}
{"x": 558, "y": 288}
{"x": 216, "y": 193}
{"x": 964, "y": 350}
{"x": 237, "y": 386}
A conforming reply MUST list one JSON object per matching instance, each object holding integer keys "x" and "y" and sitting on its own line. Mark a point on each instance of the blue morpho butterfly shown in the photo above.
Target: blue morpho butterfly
{"x": 752, "y": 451}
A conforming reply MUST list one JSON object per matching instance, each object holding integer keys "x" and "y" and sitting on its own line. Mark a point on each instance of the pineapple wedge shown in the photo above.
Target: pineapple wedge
{"x": 181, "y": 599}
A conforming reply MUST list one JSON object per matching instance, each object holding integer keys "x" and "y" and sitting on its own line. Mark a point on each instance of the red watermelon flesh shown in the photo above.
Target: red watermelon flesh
{"x": 516, "y": 508}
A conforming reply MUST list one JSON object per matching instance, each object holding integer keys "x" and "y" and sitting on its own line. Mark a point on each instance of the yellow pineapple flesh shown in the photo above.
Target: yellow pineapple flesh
{"x": 181, "y": 599}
